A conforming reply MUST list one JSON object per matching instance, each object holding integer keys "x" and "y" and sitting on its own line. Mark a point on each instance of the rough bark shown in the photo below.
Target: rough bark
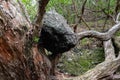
{"x": 19, "y": 55}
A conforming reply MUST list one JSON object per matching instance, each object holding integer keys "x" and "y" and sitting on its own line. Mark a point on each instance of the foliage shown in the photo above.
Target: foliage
{"x": 36, "y": 39}
{"x": 68, "y": 10}
{"x": 80, "y": 64}
{"x": 63, "y": 7}
{"x": 31, "y": 7}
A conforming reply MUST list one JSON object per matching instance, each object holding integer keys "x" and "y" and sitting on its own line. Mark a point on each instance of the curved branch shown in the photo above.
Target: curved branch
{"x": 41, "y": 11}
{"x": 99, "y": 35}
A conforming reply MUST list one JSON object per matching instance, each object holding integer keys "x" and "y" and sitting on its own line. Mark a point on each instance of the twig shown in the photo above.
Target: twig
{"x": 107, "y": 15}
{"x": 75, "y": 8}
{"x": 83, "y": 7}
{"x": 82, "y": 12}
{"x": 85, "y": 22}
{"x": 103, "y": 10}
{"x": 117, "y": 7}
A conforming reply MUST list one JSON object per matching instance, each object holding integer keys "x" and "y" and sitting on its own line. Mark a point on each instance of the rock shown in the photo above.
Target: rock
{"x": 56, "y": 35}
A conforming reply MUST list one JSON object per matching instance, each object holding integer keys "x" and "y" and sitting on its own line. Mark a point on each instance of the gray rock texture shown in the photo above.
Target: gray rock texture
{"x": 56, "y": 35}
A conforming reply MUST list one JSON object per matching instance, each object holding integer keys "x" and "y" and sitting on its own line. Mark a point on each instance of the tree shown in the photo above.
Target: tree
{"x": 19, "y": 56}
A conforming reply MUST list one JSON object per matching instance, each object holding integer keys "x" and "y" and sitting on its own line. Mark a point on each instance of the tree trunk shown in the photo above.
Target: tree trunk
{"x": 19, "y": 57}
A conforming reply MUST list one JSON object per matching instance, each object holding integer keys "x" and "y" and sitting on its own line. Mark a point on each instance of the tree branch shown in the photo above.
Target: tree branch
{"x": 102, "y": 36}
{"x": 109, "y": 50}
{"x": 117, "y": 18}
{"x": 34, "y": 30}
{"x": 80, "y": 18}
{"x": 41, "y": 11}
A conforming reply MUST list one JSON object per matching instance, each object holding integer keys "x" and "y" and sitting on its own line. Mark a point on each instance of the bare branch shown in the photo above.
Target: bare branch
{"x": 34, "y": 30}
{"x": 117, "y": 7}
{"x": 41, "y": 11}
{"x": 102, "y": 36}
{"x": 109, "y": 50}
{"x": 80, "y": 18}
{"x": 117, "y": 18}
{"x": 107, "y": 17}
{"x": 75, "y": 8}
{"x": 82, "y": 12}
{"x": 83, "y": 7}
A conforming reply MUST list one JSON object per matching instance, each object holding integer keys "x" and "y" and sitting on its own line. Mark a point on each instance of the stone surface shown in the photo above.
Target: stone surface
{"x": 56, "y": 35}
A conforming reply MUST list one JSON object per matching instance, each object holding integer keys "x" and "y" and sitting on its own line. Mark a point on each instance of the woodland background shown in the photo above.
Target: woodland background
{"x": 87, "y": 15}
{"x": 91, "y": 59}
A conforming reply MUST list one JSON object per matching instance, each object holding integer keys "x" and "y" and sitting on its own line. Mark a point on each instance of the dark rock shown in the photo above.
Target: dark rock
{"x": 56, "y": 35}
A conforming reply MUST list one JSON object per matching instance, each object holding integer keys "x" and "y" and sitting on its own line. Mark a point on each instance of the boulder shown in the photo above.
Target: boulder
{"x": 56, "y": 35}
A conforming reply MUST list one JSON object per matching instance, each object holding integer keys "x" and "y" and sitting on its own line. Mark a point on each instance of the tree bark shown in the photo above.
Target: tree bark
{"x": 20, "y": 58}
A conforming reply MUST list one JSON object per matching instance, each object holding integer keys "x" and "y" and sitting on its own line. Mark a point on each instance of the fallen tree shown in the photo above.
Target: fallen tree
{"x": 19, "y": 56}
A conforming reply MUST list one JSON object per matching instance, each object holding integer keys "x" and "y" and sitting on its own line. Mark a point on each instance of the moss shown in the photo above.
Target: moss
{"x": 36, "y": 39}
